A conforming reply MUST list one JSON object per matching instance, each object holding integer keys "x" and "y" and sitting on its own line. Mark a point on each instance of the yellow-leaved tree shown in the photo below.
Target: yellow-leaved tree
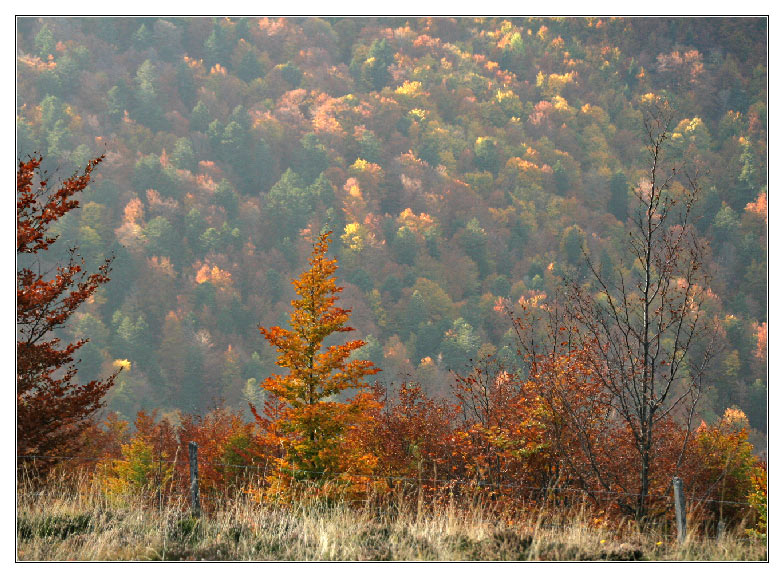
{"x": 317, "y": 427}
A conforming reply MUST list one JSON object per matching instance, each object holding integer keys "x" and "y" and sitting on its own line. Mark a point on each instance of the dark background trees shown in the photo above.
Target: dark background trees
{"x": 460, "y": 151}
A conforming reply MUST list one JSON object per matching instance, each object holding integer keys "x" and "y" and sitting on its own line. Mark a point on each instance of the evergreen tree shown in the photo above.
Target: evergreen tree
{"x": 618, "y": 204}
{"x": 45, "y": 42}
{"x": 200, "y": 117}
{"x": 182, "y": 155}
{"x": 572, "y": 244}
{"x": 116, "y": 102}
{"x": 217, "y": 45}
{"x": 142, "y": 37}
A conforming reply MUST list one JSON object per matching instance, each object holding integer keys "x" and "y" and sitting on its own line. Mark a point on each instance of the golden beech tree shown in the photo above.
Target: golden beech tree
{"x": 315, "y": 425}
{"x": 52, "y": 410}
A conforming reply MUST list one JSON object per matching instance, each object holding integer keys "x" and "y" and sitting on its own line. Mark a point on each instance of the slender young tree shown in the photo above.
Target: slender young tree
{"x": 649, "y": 338}
{"x": 51, "y": 408}
{"x": 315, "y": 422}
{"x": 618, "y": 360}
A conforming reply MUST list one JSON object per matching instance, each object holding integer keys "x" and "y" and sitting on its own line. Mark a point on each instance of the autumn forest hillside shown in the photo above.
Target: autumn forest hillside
{"x": 462, "y": 164}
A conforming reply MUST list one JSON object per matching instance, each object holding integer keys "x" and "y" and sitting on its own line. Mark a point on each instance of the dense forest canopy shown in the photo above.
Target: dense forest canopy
{"x": 463, "y": 164}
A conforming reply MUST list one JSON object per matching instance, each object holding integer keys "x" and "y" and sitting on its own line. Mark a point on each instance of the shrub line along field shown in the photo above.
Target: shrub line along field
{"x": 442, "y": 483}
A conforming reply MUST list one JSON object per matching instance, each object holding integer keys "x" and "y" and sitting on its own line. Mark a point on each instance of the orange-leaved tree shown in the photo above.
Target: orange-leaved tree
{"x": 52, "y": 410}
{"x": 315, "y": 425}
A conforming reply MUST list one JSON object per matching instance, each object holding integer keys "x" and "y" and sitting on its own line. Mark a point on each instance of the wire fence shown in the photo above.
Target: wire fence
{"x": 414, "y": 481}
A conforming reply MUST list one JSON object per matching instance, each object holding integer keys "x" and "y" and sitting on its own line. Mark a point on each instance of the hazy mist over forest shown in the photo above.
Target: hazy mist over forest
{"x": 462, "y": 164}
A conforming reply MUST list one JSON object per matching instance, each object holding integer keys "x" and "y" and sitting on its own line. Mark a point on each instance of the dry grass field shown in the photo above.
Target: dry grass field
{"x": 70, "y": 521}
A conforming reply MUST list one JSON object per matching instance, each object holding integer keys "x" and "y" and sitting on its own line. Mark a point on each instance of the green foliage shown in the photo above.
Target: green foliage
{"x": 182, "y": 155}
{"x": 217, "y": 46}
{"x": 290, "y": 203}
{"x": 227, "y": 197}
{"x": 370, "y": 148}
{"x": 249, "y": 67}
{"x": 371, "y": 351}
{"x": 460, "y": 346}
{"x": 116, "y": 102}
{"x": 150, "y": 174}
{"x": 291, "y": 73}
{"x": 726, "y": 224}
{"x": 429, "y": 337}
{"x": 618, "y": 204}
{"x": 67, "y": 72}
{"x": 161, "y": 237}
{"x": 501, "y": 286}
{"x": 372, "y": 68}
{"x": 195, "y": 225}
{"x": 44, "y": 41}
{"x": 748, "y": 172}
{"x": 142, "y": 37}
{"x": 92, "y": 357}
{"x": 147, "y": 109}
{"x": 137, "y": 471}
{"x": 217, "y": 240}
{"x": 132, "y": 338}
{"x": 562, "y": 180}
{"x": 405, "y": 245}
{"x": 26, "y": 142}
{"x": 573, "y": 244}
{"x": 53, "y": 110}
{"x": 474, "y": 242}
{"x": 200, "y": 117}
{"x": 487, "y": 154}
{"x": 311, "y": 159}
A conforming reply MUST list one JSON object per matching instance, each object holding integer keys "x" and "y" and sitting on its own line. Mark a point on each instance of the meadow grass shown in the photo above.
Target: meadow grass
{"x": 76, "y": 521}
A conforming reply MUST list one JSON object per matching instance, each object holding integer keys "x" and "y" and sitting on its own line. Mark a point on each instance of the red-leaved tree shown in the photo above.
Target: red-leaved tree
{"x": 52, "y": 409}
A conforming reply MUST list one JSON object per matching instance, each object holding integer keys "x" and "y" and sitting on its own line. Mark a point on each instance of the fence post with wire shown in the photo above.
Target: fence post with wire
{"x": 193, "y": 453}
{"x": 679, "y": 499}
{"x": 680, "y": 508}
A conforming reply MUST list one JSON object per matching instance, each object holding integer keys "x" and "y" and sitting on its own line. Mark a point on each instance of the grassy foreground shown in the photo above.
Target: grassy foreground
{"x": 84, "y": 525}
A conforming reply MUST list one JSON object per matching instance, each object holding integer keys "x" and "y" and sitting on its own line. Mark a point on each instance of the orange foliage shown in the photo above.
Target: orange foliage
{"x": 720, "y": 465}
{"x": 228, "y": 450}
{"x": 355, "y": 206}
{"x": 501, "y": 431}
{"x": 759, "y": 206}
{"x": 134, "y": 211}
{"x": 761, "y": 331}
{"x": 214, "y": 274}
{"x": 313, "y": 427}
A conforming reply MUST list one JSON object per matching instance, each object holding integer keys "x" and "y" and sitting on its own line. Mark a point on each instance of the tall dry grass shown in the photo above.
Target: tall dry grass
{"x": 74, "y": 520}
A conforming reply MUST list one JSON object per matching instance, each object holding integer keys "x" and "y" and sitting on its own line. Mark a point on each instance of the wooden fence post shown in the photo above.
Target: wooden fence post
{"x": 193, "y": 451}
{"x": 720, "y": 529}
{"x": 680, "y": 508}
